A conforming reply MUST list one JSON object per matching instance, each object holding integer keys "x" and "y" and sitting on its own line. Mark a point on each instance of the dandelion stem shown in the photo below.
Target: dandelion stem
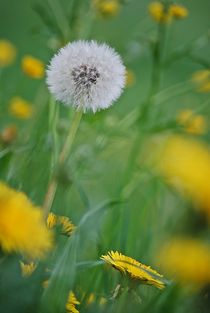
{"x": 65, "y": 151}
{"x": 70, "y": 137}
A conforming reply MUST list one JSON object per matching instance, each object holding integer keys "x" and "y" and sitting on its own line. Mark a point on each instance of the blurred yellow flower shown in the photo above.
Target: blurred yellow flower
{"x": 7, "y": 52}
{"x": 202, "y": 80}
{"x": 178, "y": 11}
{"x": 102, "y": 301}
{"x": 134, "y": 269}
{"x": 107, "y": 8}
{"x": 27, "y": 268}
{"x": 130, "y": 78}
{"x": 20, "y": 108}
{"x": 22, "y": 226}
{"x": 185, "y": 163}
{"x": 32, "y": 67}
{"x": 8, "y": 134}
{"x": 164, "y": 14}
{"x": 187, "y": 260}
{"x": 159, "y": 13}
{"x": 91, "y": 298}
{"x": 193, "y": 123}
{"x": 71, "y": 303}
{"x": 67, "y": 227}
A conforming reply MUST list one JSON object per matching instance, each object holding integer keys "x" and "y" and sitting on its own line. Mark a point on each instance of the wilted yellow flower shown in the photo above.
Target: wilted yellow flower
{"x": 193, "y": 123}
{"x": 71, "y": 303}
{"x": 187, "y": 260}
{"x": 32, "y": 67}
{"x": 159, "y": 13}
{"x": 67, "y": 227}
{"x": 185, "y": 163}
{"x": 202, "y": 80}
{"x": 22, "y": 226}
{"x": 178, "y": 11}
{"x": 134, "y": 269}
{"x": 7, "y": 52}
{"x": 8, "y": 134}
{"x": 107, "y": 8}
{"x": 27, "y": 269}
{"x": 20, "y": 108}
{"x": 130, "y": 78}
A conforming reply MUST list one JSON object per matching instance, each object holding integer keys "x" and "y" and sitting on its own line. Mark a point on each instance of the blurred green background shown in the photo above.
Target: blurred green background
{"x": 107, "y": 159}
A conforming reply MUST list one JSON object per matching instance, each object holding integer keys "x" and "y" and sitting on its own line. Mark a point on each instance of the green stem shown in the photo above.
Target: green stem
{"x": 70, "y": 137}
{"x": 52, "y": 187}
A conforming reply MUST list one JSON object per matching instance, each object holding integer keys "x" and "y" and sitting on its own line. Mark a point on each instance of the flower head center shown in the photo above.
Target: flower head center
{"x": 85, "y": 76}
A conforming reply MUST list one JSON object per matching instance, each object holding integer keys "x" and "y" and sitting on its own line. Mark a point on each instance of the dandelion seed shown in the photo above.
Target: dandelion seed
{"x": 20, "y": 108}
{"x": 134, "y": 269}
{"x": 71, "y": 303}
{"x": 86, "y": 75}
{"x": 186, "y": 260}
{"x": 22, "y": 227}
{"x": 7, "y": 53}
{"x": 32, "y": 67}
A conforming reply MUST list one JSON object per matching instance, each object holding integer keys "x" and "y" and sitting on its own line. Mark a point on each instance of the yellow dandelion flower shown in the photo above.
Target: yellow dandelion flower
{"x": 187, "y": 260}
{"x": 7, "y": 53}
{"x": 20, "y": 108}
{"x": 67, "y": 226}
{"x": 8, "y": 134}
{"x": 185, "y": 163}
{"x": 71, "y": 303}
{"x": 159, "y": 13}
{"x": 22, "y": 226}
{"x": 107, "y": 8}
{"x": 130, "y": 78}
{"x": 32, "y": 67}
{"x": 178, "y": 11}
{"x": 27, "y": 268}
{"x": 193, "y": 123}
{"x": 134, "y": 269}
{"x": 51, "y": 220}
{"x": 202, "y": 80}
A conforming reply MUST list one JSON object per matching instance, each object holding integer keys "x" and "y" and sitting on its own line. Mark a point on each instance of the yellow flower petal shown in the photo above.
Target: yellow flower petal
{"x": 71, "y": 303}
{"x": 134, "y": 269}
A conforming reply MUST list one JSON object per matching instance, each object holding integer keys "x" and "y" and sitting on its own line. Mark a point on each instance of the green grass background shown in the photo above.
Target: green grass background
{"x": 108, "y": 156}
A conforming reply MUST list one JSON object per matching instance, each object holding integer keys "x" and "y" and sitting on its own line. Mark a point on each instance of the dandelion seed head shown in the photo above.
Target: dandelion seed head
{"x": 86, "y": 75}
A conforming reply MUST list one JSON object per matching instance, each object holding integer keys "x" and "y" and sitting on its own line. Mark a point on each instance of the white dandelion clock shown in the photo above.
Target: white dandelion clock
{"x": 86, "y": 75}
